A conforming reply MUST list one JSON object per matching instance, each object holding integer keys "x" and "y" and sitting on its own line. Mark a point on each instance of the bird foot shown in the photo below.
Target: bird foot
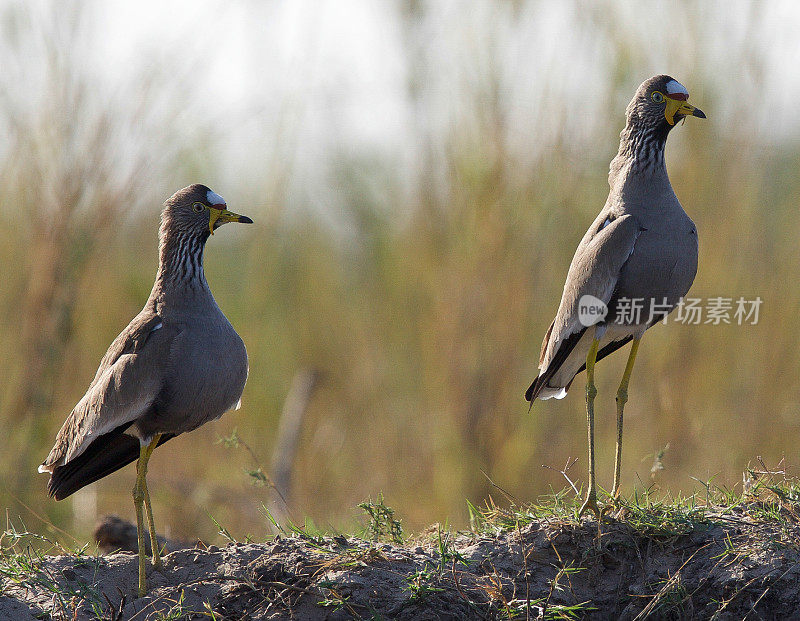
{"x": 591, "y": 503}
{"x": 616, "y": 508}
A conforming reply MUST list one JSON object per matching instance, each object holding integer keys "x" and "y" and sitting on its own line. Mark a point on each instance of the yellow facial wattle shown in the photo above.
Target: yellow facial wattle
{"x": 681, "y": 107}
{"x": 223, "y": 215}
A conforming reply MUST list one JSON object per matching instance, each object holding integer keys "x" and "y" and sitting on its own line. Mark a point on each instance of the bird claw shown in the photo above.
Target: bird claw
{"x": 591, "y": 503}
{"x": 616, "y": 508}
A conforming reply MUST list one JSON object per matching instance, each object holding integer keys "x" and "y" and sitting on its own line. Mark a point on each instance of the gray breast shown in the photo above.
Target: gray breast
{"x": 663, "y": 268}
{"x": 205, "y": 377}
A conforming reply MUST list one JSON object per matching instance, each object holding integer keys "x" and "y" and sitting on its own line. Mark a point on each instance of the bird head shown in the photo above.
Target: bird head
{"x": 199, "y": 210}
{"x": 661, "y": 101}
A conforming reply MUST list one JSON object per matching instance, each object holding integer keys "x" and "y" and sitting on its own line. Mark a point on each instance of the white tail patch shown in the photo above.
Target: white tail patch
{"x": 552, "y": 393}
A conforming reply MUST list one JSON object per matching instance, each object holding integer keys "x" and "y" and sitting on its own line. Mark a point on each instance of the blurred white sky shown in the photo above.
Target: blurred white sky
{"x": 295, "y": 85}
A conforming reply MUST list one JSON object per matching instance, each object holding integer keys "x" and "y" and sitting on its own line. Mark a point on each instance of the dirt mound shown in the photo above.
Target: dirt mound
{"x": 686, "y": 564}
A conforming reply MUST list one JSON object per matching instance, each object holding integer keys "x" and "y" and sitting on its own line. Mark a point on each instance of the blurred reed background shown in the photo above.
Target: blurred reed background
{"x": 419, "y": 174}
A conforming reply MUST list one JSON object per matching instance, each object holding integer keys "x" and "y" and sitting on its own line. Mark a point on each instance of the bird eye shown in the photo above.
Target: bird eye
{"x": 198, "y": 207}
{"x": 657, "y": 97}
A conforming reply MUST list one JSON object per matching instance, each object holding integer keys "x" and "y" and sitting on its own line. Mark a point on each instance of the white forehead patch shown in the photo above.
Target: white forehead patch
{"x": 676, "y": 88}
{"x": 214, "y": 198}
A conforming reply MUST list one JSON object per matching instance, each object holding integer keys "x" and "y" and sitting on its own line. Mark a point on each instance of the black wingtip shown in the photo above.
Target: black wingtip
{"x": 105, "y": 455}
{"x": 53, "y": 490}
{"x": 529, "y": 392}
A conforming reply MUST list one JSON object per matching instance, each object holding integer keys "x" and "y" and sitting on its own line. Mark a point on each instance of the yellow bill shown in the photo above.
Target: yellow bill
{"x": 222, "y": 216}
{"x": 681, "y": 108}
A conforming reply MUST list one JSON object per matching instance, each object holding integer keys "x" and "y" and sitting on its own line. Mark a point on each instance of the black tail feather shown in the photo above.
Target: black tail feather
{"x": 535, "y": 388}
{"x": 107, "y": 454}
{"x": 561, "y": 355}
{"x": 529, "y": 392}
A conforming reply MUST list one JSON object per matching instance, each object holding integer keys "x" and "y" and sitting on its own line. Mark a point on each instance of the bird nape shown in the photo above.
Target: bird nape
{"x": 161, "y": 376}
{"x": 636, "y": 261}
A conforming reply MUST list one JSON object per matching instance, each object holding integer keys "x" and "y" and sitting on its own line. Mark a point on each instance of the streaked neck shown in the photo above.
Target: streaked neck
{"x": 180, "y": 266}
{"x": 641, "y": 153}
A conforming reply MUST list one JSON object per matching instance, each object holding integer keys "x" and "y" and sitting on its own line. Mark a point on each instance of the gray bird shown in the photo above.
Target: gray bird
{"x": 636, "y": 261}
{"x": 178, "y": 365}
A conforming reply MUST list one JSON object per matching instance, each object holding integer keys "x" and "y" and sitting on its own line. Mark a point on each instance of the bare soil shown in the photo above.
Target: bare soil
{"x": 724, "y": 566}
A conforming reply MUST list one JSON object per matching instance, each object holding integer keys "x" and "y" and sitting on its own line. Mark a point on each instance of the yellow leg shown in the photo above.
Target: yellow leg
{"x": 591, "y": 393}
{"x": 622, "y": 398}
{"x": 148, "y": 509}
{"x": 138, "y": 500}
{"x": 140, "y": 495}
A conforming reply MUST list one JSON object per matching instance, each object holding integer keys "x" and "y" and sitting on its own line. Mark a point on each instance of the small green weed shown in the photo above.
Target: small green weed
{"x": 540, "y": 609}
{"x": 422, "y": 583}
{"x": 382, "y": 522}
{"x": 22, "y": 564}
{"x": 448, "y": 554}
